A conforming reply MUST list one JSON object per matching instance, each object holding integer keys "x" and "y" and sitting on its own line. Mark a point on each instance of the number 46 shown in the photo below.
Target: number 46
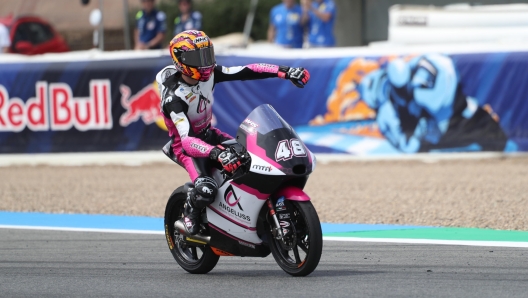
{"x": 286, "y": 149}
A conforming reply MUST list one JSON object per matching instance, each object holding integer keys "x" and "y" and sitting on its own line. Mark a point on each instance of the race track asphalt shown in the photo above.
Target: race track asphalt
{"x": 88, "y": 264}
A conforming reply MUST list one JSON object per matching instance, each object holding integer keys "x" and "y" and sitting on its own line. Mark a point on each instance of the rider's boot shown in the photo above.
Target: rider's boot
{"x": 192, "y": 215}
{"x": 199, "y": 197}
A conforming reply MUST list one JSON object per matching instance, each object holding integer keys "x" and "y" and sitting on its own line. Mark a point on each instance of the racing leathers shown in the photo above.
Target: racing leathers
{"x": 187, "y": 111}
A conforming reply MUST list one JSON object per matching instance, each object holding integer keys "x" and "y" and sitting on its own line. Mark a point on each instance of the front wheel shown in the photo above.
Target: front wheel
{"x": 299, "y": 253}
{"x": 198, "y": 259}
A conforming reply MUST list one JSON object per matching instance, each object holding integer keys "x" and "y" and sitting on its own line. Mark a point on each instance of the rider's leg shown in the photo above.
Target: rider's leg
{"x": 215, "y": 136}
{"x": 205, "y": 187}
{"x": 203, "y": 193}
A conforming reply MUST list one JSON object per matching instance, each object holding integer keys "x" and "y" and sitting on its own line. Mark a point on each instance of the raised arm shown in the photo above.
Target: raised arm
{"x": 297, "y": 75}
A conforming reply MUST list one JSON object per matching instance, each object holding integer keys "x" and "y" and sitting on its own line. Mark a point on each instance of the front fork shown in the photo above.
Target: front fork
{"x": 276, "y": 229}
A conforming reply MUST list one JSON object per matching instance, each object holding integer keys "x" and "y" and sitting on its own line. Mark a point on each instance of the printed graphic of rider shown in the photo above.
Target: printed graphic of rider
{"x": 186, "y": 90}
{"x": 421, "y": 107}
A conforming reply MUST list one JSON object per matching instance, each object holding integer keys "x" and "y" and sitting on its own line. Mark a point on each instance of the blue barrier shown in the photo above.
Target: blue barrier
{"x": 356, "y": 105}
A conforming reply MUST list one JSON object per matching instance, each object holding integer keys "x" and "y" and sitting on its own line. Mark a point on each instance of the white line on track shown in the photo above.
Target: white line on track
{"x": 139, "y": 158}
{"x": 120, "y": 231}
{"x": 431, "y": 241}
{"x": 325, "y": 238}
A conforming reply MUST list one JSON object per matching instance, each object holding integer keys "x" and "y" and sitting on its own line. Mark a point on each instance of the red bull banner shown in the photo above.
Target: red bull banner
{"x": 110, "y": 105}
{"x": 361, "y": 105}
{"x": 55, "y": 108}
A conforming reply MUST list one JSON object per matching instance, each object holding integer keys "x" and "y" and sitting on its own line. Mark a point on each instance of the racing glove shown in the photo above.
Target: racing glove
{"x": 228, "y": 160}
{"x": 297, "y": 75}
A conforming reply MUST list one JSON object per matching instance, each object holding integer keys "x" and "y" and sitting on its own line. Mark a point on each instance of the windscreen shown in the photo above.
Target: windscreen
{"x": 265, "y": 134}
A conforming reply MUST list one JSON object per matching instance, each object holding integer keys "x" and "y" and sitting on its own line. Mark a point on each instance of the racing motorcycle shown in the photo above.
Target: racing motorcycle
{"x": 259, "y": 209}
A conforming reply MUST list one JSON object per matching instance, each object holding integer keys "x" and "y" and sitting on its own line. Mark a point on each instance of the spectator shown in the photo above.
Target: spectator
{"x": 5, "y": 42}
{"x": 150, "y": 27}
{"x": 188, "y": 19}
{"x": 287, "y": 25}
{"x": 321, "y": 17}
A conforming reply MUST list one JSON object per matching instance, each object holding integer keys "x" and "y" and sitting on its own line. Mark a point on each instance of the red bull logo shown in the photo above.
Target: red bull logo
{"x": 55, "y": 108}
{"x": 145, "y": 105}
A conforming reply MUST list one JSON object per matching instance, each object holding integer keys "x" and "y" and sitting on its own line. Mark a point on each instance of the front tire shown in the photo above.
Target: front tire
{"x": 196, "y": 259}
{"x": 308, "y": 237}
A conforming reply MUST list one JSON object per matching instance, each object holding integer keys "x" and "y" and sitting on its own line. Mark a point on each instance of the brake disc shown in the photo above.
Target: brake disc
{"x": 288, "y": 242}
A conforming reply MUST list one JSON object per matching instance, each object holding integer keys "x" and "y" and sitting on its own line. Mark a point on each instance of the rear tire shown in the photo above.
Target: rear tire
{"x": 193, "y": 259}
{"x": 308, "y": 238}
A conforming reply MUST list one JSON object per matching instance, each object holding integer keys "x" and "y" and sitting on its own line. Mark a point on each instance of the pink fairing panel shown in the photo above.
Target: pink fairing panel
{"x": 220, "y": 133}
{"x": 262, "y": 67}
{"x": 256, "y": 193}
{"x": 292, "y": 193}
{"x": 195, "y": 147}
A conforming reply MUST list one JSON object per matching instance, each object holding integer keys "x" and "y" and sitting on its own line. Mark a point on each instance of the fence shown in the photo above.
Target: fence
{"x": 358, "y": 101}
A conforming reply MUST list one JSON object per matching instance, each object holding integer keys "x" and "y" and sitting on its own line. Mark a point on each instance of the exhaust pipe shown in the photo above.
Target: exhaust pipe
{"x": 178, "y": 225}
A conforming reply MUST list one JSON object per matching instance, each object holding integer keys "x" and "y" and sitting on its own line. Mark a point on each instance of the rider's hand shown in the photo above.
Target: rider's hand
{"x": 297, "y": 75}
{"x": 228, "y": 160}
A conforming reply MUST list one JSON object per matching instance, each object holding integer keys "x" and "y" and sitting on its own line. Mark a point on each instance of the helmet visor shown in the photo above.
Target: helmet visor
{"x": 203, "y": 57}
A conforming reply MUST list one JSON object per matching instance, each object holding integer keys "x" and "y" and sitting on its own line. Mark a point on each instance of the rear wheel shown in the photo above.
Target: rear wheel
{"x": 193, "y": 258}
{"x": 299, "y": 253}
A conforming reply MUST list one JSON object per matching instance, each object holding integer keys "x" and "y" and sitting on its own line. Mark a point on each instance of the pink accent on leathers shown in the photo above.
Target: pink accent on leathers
{"x": 195, "y": 147}
{"x": 262, "y": 67}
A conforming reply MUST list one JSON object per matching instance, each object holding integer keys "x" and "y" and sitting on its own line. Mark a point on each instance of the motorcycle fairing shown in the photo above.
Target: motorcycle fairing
{"x": 263, "y": 133}
{"x": 235, "y": 211}
{"x": 235, "y": 246}
{"x": 261, "y": 166}
{"x": 234, "y": 215}
{"x": 292, "y": 193}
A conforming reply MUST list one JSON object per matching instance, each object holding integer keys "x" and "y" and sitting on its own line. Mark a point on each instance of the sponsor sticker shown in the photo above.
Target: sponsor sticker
{"x": 206, "y": 189}
{"x": 280, "y": 202}
{"x": 246, "y": 244}
{"x": 284, "y": 224}
{"x": 250, "y": 123}
{"x": 261, "y": 168}
{"x": 199, "y": 147}
{"x": 200, "y": 39}
{"x": 284, "y": 216}
{"x": 233, "y": 211}
{"x": 249, "y": 129}
{"x": 169, "y": 239}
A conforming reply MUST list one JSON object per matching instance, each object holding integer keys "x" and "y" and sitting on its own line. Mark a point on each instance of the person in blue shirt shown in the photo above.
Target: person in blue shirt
{"x": 321, "y": 18}
{"x": 150, "y": 27}
{"x": 188, "y": 19}
{"x": 287, "y": 25}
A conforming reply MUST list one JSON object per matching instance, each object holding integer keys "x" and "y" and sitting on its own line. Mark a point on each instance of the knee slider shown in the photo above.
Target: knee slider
{"x": 204, "y": 192}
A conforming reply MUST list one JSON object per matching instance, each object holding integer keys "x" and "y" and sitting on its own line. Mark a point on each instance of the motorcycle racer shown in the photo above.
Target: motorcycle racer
{"x": 186, "y": 104}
